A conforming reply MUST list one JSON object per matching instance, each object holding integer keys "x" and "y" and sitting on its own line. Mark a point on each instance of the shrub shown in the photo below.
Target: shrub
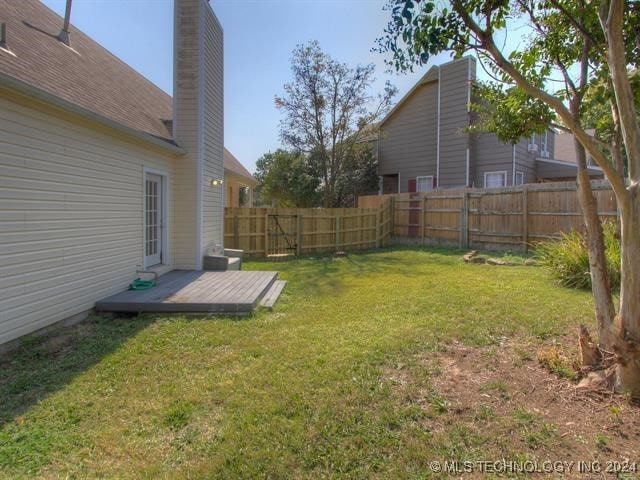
{"x": 568, "y": 259}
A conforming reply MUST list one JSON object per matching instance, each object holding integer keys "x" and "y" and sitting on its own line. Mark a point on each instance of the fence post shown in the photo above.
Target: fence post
{"x": 525, "y": 217}
{"x": 236, "y": 231}
{"x": 464, "y": 221}
{"x": 299, "y": 228}
{"x": 338, "y": 224}
{"x": 266, "y": 233}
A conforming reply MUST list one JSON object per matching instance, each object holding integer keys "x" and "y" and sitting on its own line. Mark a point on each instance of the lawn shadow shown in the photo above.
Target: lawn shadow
{"x": 387, "y": 260}
{"x": 324, "y": 274}
{"x": 43, "y": 365}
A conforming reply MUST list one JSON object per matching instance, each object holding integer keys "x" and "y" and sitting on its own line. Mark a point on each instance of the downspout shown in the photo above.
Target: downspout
{"x": 468, "y": 118}
{"x": 513, "y": 167}
{"x": 380, "y": 180}
{"x": 438, "y": 135}
{"x": 467, "y": 177}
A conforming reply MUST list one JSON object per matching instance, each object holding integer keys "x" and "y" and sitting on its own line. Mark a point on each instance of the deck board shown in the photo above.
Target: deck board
{"x": 195, "y": 292}
{"x": 272, "y": 295}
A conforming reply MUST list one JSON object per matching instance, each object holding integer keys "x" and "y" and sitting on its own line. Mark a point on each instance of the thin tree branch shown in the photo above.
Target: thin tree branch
{"x": 585, "y": 139}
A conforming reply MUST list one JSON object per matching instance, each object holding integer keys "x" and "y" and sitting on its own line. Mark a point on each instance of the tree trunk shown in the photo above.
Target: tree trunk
{"x": 627, "y": 323}
{"x": 600, "y": 284}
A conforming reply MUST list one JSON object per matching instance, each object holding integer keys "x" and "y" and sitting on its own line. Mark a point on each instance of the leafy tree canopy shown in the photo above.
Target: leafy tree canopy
{"x": 286, "y": 180}
{"x": 327, "y": 108}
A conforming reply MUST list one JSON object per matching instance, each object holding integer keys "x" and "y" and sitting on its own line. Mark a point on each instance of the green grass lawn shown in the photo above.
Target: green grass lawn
{"x": 299, "y": 392}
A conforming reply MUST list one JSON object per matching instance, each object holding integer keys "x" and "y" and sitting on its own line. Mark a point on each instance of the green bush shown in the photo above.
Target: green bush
{"x": 568, "y": 259}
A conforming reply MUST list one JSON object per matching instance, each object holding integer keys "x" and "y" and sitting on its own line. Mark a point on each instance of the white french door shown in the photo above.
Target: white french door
{"x": 153, "y": 215}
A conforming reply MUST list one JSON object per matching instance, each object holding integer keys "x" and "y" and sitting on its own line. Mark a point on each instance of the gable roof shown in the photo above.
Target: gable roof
{"x": 232, "y": 164}
{"x": 85, "y": 74}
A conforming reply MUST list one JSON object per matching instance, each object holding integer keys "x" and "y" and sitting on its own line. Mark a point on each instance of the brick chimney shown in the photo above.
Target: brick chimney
{"x": 198, "y": 128}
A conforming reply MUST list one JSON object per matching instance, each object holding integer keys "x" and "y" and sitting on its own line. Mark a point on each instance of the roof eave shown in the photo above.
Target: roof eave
{"x": 46, "y": 97}
{"x": 250, "y": 179}
{"x": 564, "y": 163}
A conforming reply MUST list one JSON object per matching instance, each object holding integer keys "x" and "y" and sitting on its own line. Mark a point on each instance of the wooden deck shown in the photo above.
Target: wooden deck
{"x": 185, "y": 291}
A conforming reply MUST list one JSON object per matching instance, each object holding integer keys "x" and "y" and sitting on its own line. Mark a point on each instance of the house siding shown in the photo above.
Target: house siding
{"x": 212, "y": 82}
{"x": 71, "y": 215}
{"x": 198, "y": 128}
{"x": 525, "y": 161}
{"x": 454, "y": 122}
{"x": 427, "y": 134}
{"x": 492, "y": 155}
{"x": 186, "y": 131}
{"x": 408, "y": 138}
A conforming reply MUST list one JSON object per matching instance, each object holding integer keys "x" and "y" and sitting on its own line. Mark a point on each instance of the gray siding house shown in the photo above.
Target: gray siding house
{"x": 424, "y": 144}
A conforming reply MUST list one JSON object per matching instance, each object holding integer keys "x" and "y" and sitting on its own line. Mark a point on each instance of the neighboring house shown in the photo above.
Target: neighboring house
{"x": 237, "y": 179}
{"x": 101, "y": 172}
{"x": 424, "y": 142}
{"x": 566, "y": 147}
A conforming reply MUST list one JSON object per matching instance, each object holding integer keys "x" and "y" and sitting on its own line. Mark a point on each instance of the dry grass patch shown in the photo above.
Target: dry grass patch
{"x": 488, "y": 403}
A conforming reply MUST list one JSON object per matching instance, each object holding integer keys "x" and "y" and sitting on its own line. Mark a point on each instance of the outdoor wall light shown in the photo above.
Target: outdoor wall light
{"x": 215, "y": 182}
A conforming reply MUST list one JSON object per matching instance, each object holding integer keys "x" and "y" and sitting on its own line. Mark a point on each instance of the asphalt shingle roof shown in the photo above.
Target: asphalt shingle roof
{"x": 84, "y": 73}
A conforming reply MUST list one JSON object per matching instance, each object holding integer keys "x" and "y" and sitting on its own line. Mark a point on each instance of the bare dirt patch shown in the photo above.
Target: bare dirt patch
{"x": 498, "y": 402}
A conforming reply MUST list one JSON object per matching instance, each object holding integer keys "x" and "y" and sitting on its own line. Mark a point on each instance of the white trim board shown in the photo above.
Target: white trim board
{"x": 438, "y": 133}
{"x": 166, "y": 259}
{"x": 566, "y": 164}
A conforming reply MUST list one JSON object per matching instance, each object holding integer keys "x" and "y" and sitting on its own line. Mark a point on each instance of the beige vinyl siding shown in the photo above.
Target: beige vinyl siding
{"x": 454, "y": 121}
{"x": 198, "y": 127}
{"x": 408, "y": 137}
{"x": 212, "y": 86}
{"x": 70, "y": 214}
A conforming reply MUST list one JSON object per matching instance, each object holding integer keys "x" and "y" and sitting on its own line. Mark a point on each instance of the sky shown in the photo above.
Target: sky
{"x": 259, "y": 36}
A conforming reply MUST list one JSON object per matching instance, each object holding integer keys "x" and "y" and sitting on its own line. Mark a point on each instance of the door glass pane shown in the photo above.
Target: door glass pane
{"x": 152, "y": 219}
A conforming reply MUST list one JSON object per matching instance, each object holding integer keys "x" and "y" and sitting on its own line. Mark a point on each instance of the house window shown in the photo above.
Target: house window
{"x": 495, "y": 179}
{"x": 424, "y": 184}
{"x": 519, "y": 178}
{"x": 543, "y": 145}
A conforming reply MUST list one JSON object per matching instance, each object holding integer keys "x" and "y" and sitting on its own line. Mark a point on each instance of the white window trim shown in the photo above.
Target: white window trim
{"x": 166, "y": 256}
{"x": 501, "y": 172}
{"x": 521, "y": 175}
{"x": 429, "y": 182}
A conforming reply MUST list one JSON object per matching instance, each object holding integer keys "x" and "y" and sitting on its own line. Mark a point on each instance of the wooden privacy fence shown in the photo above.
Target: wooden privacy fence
{"x": 295, "y": 231}
{"x": 505, "y": 218}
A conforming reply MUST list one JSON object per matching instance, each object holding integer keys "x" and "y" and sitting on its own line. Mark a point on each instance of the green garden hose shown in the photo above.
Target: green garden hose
{"x": 139, "y": 284}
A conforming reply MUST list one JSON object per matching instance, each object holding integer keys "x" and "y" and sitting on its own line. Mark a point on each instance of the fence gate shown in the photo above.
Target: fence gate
{"x": 282, "y": 235}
